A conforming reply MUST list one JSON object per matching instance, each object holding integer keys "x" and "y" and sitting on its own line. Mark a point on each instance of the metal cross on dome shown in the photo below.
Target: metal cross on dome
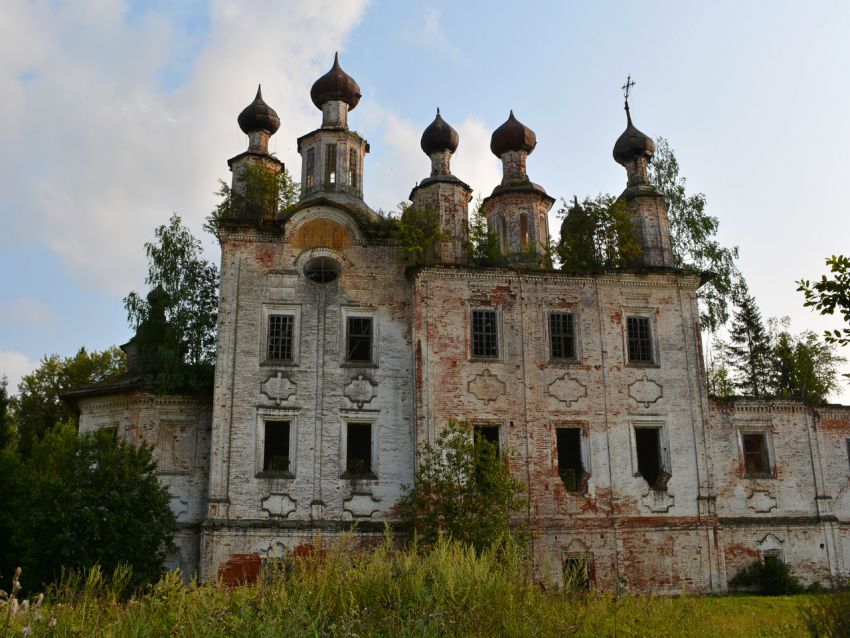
{"x": 627, "y": 87}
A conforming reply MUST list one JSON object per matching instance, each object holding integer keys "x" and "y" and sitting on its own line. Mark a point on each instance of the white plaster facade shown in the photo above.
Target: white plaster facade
{"x": 703, "y": 519}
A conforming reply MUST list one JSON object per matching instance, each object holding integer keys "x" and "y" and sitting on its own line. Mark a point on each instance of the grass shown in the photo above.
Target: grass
{"x": 449, "y": 591}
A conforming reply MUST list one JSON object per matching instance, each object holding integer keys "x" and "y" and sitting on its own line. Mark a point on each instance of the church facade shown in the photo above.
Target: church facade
{"x": 336, "y": 361}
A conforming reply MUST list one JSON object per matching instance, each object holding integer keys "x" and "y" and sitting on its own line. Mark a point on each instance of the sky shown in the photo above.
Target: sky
{"x": 115, "y": 114}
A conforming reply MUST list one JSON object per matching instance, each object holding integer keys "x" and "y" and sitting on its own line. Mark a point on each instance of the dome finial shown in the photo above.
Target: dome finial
{"x": 513, "y": 135}
{"x": 439, "y": 136}
{"x": 337, "y": 85}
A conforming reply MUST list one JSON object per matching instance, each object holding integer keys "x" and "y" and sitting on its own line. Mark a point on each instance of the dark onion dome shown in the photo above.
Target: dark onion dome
{"x": 439, "y": 136}
{"x": 336, "y": 84}
{"x": 632, "y": 143}
{"x": 513, "y": 135}
{"x": 258, "y": 116}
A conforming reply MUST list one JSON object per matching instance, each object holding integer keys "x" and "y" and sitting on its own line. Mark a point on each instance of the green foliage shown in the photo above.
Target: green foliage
{"x": 831, "y": 294}
{"x": 718, "y": 373}
{"x": 37, "y": 406}
{"x": 464, "y": 490}
{"x": 5, "y": 415}
{"x": 89, "y": 500}
{"x": 483, "y": 247}
{"x": 258, "y": 194}
{"x": 185, "y": 345}
{"x": 417, "y": 234}
{"x": 750, "y": 350}
{"x": 804, "y": 367}
{"x": 693, "y": 234}
{"x": 770, "y": 576}
{"x": 596, "y": 234}
{"x": 828, "y": 614}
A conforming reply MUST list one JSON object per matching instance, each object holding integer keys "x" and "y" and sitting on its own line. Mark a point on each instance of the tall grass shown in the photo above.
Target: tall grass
{"x": 343, "y": 591}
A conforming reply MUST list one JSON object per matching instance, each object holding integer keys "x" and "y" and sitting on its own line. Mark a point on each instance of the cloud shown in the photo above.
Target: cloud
{"x": 473, "y": 162}
{"x": 14, "y": 365}
{"x": 99, "y": 151}
{"x": 432, "y": 36}
{"x": 27, "y": 312}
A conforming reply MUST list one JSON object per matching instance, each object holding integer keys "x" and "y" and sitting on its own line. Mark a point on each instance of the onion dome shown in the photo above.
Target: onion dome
{"x": 258, "y": 116}
{"x": 632, "y": 144}
{"x": 513, "y": 135}
{"x": 336, "y": 84}
{"x": 439, "y": 136}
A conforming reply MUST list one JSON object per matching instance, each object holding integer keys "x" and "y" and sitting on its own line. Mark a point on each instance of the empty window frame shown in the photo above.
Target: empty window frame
{"x": 570, "y": 464}
{"x": 352, "y": 167}
{"x": 488, "y": 433}
{"x": 649, "y": 460}
{"x": 756, "y": 456}
{"x": 358, "y": 339}
{"x": 562, "y": 343}
{"x": 485, "y": 334}
{"x": 576, "y": 572}
{"x": 503, "y": 235}
{"x": 310, "y": 169}
{"x": 523, "y": 231}
{"x": 280, "y": 340}
{"x": 358, "y": 449}
{"x": 639, "y": 340}
{"x": 276, "y": 446}
{"x": 330, "y": 164}
{"x": 848, "y": 451}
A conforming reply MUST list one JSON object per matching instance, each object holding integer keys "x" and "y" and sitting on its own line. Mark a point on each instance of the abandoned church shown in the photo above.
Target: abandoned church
{"x": 336, "y": 361}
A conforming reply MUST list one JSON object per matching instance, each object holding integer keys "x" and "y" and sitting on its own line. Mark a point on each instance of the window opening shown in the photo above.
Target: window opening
{"x": 576, "y": 573}
{"x": 322, "y": 270}
{"x": 280, "y": 337}
{"x": 276, "y": 449}
{"x": 640, "y": 340}
{"x": 570, "y": 466}
{"x": 358, "y": 346}
{"x": 352, "y": 167}
{"x": 330, "y": 164}
{"x": 310, "y": 175}
{"x": 503, "y": 234}
{"x": 561, "y": 336}
{"x": 358, "y": 449}
{"x": 756, "y": 461}
{"x": 848, "y": 451}
{"x": 485, "y": 336}
{"x": 488, "y": 433}
{"x": 648, "y": 443}
{"x": 523, "y": 230}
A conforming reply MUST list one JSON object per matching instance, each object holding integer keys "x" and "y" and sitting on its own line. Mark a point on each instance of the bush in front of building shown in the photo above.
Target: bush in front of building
{"x": 770, "y": 576}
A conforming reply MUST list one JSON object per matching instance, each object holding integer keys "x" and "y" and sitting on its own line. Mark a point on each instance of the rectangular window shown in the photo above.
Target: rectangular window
{"x": 848, "y": 451}
{"x": 756, "y": 460}
{"x": 358, "y": 339}
{"x": 640, "y": 340}
{"x": 648, "y": 447}
{"x": 352, "y": 167}
{"x": 523, "y": 230}
{"x": 330, "y": 164}
{"x": 576, "y": 573}
{"x": 310, "y": 171}
{"x": 280, "y": 337}
{"x": 358, "y": 449}
{"x": 570, "y": 465}
{"x": 276, "y": 447}
{"x": 485, "y": 334}
{"x": 488, "y": 433}
{"x": 561, "y": 336}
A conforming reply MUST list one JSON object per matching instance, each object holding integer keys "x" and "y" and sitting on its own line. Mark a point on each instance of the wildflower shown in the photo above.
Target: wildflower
{"x": 13, "y": 606}
{"x": 52, "y": 622}
{"x": 25, "y": 605}
{"x": 26, "y": 631}
{"x": 38, "y": 616}
{"x": 39, "y": 600}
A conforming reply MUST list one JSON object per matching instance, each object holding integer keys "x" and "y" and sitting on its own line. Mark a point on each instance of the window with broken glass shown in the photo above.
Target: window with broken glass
{"x": 485, "y": 334}
{"x": 561, "y": 336}
{"x": 649, "y": 457}
{"x": 756, "y": 458}
{"x": 570, "y": 464}
{"x": 280, "y": 337}
{"x": 639, "y": 340}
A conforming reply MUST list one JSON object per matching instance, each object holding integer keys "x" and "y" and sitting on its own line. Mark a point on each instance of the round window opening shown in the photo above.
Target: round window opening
{"x": 322, "y": 270}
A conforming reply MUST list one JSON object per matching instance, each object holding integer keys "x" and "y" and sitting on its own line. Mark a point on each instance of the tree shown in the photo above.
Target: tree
{"x": 5, "y": 416}
{"x": 596, "y": 234}
{"x": 87, "y": 500}
{"x": 483, "y": 247}
{"x": 750, "y": 350}
{"x": 804, "y": 367}
{"x": 38, "y": 408}
{"x": 186, "y": 349}
{"x": 718, "y": 375}
{"x": 417, "y": 233}
{"x": 462, "y": 489}
{"x": 831, "y": 294}
{"x": 257, "y": 193}
{"x": 693, "y": 239}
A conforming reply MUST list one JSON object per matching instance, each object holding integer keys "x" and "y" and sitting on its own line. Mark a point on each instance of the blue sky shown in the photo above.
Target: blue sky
{"x": 116, "y": 114}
